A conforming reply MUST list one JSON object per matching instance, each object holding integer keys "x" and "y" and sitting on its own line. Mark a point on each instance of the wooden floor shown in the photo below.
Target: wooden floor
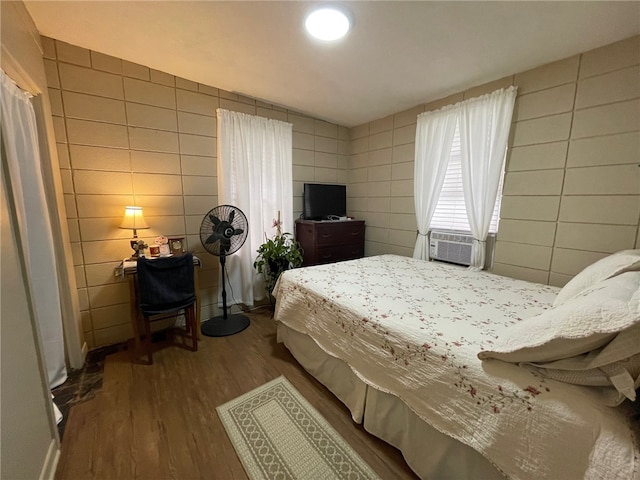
{"x": 159, "y": 421}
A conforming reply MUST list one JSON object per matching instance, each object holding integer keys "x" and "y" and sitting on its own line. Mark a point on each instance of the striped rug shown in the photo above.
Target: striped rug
{"x": 278, "y": 435}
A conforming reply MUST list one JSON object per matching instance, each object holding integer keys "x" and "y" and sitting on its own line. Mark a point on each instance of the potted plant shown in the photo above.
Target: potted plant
{"x": 276, "y": 255}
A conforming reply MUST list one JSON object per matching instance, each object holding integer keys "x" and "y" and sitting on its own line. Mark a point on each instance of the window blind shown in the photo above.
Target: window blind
{"x": 451, "y": 213}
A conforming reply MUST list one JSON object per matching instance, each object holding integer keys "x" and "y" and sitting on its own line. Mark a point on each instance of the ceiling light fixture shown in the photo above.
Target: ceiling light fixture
{"x": 327, "y": 23}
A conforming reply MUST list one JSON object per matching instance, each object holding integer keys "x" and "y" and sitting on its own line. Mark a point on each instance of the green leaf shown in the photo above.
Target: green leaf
{"x": 275, "y": 256}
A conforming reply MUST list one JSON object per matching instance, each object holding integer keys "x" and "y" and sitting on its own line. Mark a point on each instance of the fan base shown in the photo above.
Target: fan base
{"x": 222, "y": 327}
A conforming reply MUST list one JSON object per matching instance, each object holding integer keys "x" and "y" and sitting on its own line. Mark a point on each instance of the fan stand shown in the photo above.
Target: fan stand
{"x": 222, "y": 326}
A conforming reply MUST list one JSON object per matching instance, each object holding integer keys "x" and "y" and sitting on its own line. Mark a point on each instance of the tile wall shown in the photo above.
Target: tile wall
{"x": 130, "y": 135}
{"x": 572, "y": 185}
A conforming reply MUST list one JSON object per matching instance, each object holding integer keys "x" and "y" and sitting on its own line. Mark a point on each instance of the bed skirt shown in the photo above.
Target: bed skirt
{"x": 429, "y": 453}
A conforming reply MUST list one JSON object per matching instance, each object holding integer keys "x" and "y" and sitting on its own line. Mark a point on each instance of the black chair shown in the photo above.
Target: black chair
{"x": 166, "y": 285}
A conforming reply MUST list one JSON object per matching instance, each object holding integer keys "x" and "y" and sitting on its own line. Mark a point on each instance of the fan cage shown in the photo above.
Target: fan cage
{"x": 214, "y": 236}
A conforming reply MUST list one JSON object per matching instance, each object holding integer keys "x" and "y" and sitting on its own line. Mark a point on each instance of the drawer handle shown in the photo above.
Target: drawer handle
{"x": 327, "y": 235}
{"x": 355, "y": 233}
{"x": 328, "y": 255}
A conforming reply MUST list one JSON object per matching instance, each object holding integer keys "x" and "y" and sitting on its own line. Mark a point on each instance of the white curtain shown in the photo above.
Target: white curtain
{"x": 20, "y": 139}
{"x": 434, "y": 138}
{"x": 255, "y": 175}
{"x": 484, "y": 131}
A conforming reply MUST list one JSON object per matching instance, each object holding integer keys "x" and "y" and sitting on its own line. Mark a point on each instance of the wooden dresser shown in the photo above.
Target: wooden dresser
{"x": 330, "y": 241}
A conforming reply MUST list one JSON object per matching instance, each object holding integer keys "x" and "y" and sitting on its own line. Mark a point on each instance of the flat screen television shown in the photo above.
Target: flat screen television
{"x": 324, "y": 202}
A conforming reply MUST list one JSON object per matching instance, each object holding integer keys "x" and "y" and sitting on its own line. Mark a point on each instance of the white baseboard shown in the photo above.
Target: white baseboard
{"x": 48, "y": 471}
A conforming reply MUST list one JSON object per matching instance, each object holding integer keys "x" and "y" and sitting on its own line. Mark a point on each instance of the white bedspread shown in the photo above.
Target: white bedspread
{"x": 414, "y": 329}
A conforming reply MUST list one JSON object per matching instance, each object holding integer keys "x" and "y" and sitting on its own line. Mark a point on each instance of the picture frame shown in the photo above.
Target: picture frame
{"x": 176, "y": 245}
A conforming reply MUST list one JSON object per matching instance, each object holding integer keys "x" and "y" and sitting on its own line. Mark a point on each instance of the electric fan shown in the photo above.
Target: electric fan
{"x": 222, "y": 232}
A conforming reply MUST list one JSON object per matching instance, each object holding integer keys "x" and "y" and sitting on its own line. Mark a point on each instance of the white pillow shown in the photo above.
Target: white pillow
{"x": 609, "y": 395}
{"x": 616, "y": 366}
{"x": 582, "y": 324}
{"x": 607, "y": 267}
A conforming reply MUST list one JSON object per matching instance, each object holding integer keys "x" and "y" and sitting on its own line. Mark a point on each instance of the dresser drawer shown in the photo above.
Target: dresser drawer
{"x": 338, "y": 253}
{"x": 327, "y": 242}
{"x": 339, "y": 233}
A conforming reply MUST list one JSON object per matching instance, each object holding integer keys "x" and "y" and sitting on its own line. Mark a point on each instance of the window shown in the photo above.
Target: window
{"x": 451, "y": 213}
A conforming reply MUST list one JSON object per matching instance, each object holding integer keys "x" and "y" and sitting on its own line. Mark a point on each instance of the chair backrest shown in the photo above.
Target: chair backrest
{"x": 166, "y": 283}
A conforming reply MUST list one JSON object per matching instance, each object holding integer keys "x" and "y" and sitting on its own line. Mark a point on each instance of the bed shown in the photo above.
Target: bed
{"x": 397, "y": 340}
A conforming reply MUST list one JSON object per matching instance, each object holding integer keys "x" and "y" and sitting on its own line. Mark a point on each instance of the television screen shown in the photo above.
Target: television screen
{"x": 324, "y": 202}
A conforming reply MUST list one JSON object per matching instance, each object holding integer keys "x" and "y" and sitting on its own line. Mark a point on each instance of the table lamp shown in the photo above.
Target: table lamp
{"x": 133, "y": 220}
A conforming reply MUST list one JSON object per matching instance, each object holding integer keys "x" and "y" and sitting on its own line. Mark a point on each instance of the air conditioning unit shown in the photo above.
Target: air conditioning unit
{"x": 450, "y": 247}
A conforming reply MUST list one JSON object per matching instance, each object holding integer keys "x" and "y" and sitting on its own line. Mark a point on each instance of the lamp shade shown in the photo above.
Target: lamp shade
{"x": 133, "y": 219}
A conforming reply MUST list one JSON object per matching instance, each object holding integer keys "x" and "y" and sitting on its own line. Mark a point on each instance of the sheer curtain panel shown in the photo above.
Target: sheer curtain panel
{"x": 484, "y": 131}
{"x": 255, "y": 175}
{"x": 434, "y": 138}
{"x": 22, "y": 164}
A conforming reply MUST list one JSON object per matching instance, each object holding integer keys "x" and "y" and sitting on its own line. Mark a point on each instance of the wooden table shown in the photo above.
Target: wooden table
{"x": 129, "y": 269}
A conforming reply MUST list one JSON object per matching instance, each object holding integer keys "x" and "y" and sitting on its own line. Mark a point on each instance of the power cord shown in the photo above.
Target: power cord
{"x": 226, "y": 271}
{"x": 235, "y": 302}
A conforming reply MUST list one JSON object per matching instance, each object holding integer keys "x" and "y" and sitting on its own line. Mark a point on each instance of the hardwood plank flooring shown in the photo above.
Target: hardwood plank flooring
{"x": 159, "y": 421}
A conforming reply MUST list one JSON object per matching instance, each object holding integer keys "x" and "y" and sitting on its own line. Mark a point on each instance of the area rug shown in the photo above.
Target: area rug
{"x": 278, "y": 434}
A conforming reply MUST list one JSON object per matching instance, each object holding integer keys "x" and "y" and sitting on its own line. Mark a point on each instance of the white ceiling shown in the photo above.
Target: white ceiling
{"x": 398, "y": 55}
